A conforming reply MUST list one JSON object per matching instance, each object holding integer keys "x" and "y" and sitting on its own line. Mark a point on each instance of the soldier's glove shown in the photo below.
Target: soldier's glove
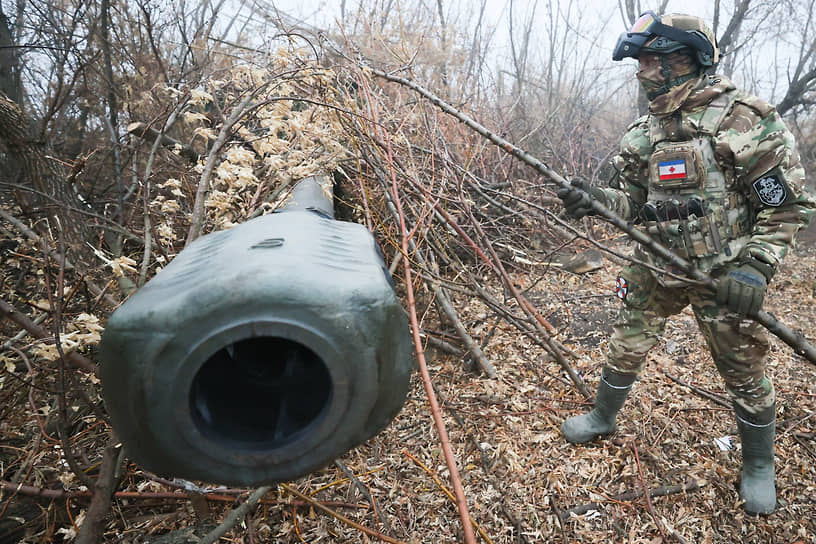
{"x": 742, "y": 287}
{"x": 577, "y": 199}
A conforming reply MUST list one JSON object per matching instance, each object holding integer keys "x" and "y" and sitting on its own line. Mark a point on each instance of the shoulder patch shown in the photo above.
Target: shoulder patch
{"x": 771, "y": 190}
{"x": 621, "y": 288}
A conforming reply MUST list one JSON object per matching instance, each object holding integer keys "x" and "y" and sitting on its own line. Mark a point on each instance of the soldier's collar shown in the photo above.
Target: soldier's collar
{"x": 708, "y": 88}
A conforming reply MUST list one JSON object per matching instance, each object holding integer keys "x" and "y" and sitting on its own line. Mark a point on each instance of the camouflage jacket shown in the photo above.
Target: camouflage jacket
{"x": 715, "y": 180}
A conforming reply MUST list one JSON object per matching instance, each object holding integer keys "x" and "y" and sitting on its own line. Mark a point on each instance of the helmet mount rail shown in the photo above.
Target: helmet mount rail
{"x": 649, "y": 25}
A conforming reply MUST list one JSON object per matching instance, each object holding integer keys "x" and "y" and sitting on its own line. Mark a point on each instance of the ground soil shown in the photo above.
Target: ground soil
{"x": 522, "y": 481}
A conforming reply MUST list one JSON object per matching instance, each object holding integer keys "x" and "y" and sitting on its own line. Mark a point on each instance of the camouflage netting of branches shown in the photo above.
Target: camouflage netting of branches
{"x": 240, "y": 140}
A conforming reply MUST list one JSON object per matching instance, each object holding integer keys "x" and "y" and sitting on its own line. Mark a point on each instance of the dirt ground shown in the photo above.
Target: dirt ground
{"x": 523, "y": 482}
{"x": 518, "y": 467}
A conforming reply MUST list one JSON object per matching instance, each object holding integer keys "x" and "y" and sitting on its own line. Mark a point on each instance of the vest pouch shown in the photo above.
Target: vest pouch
{"x": 676, "y": 166}
{"x": 701, "y": 243}
{"x": 672, "y": 234}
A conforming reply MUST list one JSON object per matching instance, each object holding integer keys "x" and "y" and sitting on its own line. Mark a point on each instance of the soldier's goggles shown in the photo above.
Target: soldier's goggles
{"x": 648, "y": 25}
{"x": 643, "y": 23}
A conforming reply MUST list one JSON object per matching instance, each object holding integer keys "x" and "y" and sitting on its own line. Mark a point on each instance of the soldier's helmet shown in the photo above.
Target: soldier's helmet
{"x": 668, "y": 33}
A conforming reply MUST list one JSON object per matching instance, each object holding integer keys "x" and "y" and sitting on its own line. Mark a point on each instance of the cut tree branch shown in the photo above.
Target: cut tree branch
{"x": 662, "y": 491}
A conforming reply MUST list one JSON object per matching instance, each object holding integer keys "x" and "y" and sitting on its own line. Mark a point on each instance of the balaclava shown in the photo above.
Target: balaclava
{"x": 669, "y": 81}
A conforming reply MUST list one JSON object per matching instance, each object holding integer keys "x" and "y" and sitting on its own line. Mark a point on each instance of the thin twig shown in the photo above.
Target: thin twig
{"x": 55, "y": 303}
{"x": 801, "y": 442}
{"x": 455, "y": 413}
{"x": 446, "y": 491}
{"x": 702, "y": 392}
{"x": 235, "y": 516}
{"x": 364, "y": 491}
{"x": 291, "y": 490}
{"x": 646, "y": 493}
{"x": 559, "y": 517}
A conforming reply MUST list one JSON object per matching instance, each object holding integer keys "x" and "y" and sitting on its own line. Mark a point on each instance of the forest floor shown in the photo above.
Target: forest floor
{"x": 521, "y": 477}
{"x": 518, "y": 466}
{"x": 523, "y": 482}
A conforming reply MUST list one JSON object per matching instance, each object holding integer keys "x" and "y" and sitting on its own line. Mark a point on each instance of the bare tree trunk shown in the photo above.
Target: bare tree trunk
{"x": 521, "y": 51}
{"x": 729, "y": 37}
{"x": 444, "y": 43}
{"x": 44, "y": 187}
{"x": 797, "y": 92}
{"x": 10, "y": 81}
{"x": 803, "y": 80}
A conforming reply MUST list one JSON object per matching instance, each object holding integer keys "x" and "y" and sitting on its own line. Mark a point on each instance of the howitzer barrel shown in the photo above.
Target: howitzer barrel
{"x": 260, "y": 353}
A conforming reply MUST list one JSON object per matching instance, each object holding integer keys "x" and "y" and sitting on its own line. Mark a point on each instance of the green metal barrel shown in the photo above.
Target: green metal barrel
{"x": 260, "y": 353}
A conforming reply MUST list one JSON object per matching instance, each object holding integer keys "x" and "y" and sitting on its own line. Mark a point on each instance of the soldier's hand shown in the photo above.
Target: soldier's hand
{"x": 578, "y": 198}
{"x": 742, "y": 289}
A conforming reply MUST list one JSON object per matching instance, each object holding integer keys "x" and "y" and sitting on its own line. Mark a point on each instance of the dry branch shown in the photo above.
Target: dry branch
{"x": 142, "y": 130}
{"x": 647, "y": 494}
{"x": 470, "y": 344}
{"x": 629, "y": 496}
{"x": 539, "y": 322}
{"x": 197, "y": 217}
{"x": 447, "y": 307}
{"x": 93, "y": 528}
{"x": 62, "y": 494}
{"x": 235, "y": 516}
{"x": 446, "y": 491}
{"x": 363, "y": 491}
{"x": 74, "y": 359}
{"x": 703, "y": 393}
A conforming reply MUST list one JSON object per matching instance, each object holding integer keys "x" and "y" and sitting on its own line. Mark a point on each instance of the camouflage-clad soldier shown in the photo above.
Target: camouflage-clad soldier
{"x": 713, "y": 174}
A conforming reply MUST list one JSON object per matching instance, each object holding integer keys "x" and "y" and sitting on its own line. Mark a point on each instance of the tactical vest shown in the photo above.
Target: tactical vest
{"x": 695, "y": 207}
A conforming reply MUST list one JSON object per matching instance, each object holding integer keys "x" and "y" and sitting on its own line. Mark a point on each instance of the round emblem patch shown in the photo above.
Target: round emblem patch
{"x": 770, "y": 190}
{"x": 621, "y": 288}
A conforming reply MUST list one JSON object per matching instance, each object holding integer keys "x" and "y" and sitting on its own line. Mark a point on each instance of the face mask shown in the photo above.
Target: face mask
{"x": 659, "y": 74}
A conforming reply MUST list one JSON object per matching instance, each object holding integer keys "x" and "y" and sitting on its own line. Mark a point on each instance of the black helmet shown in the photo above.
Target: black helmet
{"x": 672, "y": 33}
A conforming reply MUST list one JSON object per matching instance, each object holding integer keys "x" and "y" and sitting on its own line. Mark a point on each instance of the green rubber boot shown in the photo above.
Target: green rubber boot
{"x": 612, "y": 391}
{"x": 757, "y": 432}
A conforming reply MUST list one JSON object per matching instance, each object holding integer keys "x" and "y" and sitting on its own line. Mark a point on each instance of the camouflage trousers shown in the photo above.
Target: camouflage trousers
{"x": 737, "y": 345}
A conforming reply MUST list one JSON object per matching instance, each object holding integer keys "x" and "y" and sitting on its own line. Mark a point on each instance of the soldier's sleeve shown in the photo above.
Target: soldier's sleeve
{"x": 770, "y": 173}
{"x": 629, "y": 187}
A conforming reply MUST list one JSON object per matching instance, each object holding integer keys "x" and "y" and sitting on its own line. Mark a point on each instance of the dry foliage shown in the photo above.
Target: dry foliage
{"x": 481, "y": 229}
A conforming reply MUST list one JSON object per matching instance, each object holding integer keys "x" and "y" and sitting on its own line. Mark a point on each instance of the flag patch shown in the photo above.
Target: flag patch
{"x": 672, "y": 169}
